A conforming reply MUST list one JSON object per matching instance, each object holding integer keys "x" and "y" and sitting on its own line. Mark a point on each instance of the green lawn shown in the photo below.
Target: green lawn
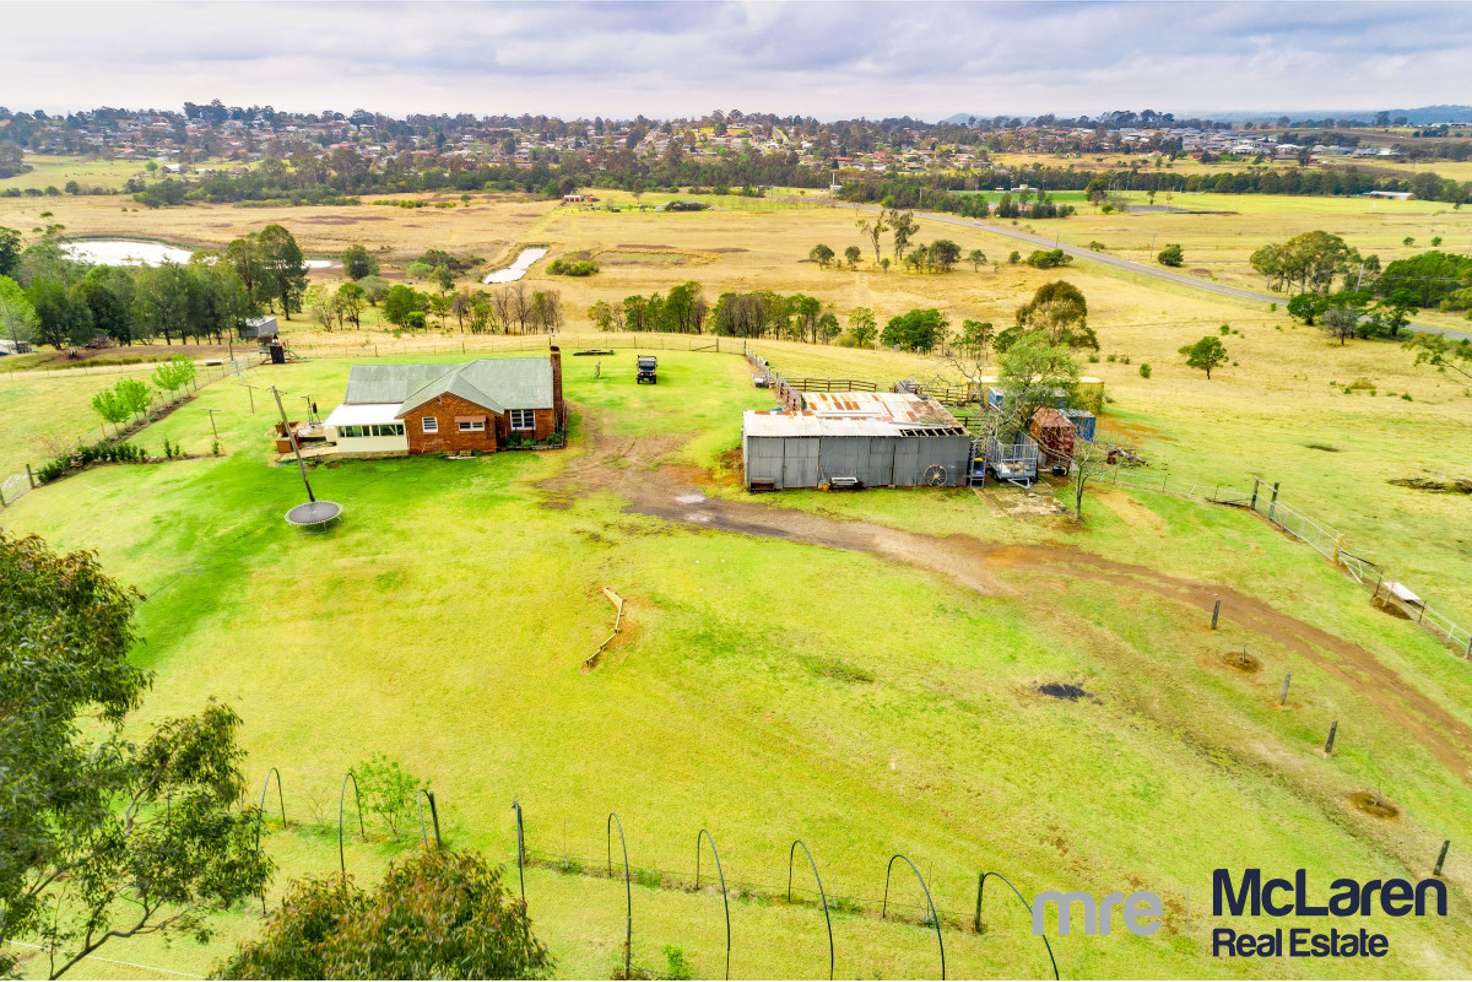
{"x": 47, "y": 416}
{"x": 767, "y": 689}
{"x": 90, "y": 172}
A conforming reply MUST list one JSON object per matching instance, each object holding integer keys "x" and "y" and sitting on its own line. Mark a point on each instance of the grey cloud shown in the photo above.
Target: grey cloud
{"x": 827, "y": 59}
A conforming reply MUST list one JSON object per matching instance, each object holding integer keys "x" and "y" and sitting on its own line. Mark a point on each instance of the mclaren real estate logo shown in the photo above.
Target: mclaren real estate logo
{"x": 1251, "y": 894}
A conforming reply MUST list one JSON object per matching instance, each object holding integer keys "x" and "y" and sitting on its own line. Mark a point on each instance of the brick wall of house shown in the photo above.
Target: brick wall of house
{"x": 449, "y": 439}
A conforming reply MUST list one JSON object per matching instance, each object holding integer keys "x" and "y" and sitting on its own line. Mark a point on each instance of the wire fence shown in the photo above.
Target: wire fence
{"x": 15, "y": 486}
{"x": 377, "y": 346}
{"x": 1263, "y": 499}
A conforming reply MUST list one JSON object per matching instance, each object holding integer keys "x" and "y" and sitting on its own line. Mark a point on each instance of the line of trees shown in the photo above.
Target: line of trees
{"x": 1350, "y": 295}
{"x": 942, "y": 192}
{"x": 48, "y": 298}
{"x": 343, "y": 173}
{"x": 512, "y": 309}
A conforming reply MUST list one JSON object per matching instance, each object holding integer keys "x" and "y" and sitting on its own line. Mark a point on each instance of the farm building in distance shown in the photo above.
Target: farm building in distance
{"x": 476, "y": 407}
{"x": 1088, "y": 393}
{"x": 855, "y": 439}
{"x": 258, "y": 328}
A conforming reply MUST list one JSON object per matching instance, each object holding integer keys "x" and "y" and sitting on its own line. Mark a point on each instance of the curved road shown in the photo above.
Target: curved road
{"x": 1129, "y": 265}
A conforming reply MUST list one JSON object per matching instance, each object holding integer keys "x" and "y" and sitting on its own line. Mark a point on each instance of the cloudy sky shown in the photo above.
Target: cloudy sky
{"x": 830, "y": 60}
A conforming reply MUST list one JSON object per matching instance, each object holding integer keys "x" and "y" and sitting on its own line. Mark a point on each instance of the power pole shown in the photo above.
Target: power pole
{"x": 295, "y": 448}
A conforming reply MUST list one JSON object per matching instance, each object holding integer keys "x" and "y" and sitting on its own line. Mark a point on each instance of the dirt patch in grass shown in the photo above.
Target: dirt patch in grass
{"x": 1064, "y": 690}
{"x": 613, "y": 464}
{"x": 1125, "y": 431}
{"x": 728, "y": 250}
{"x": 1243, "y": 662}
{"x": 836, "y": 669}
{"x": 1385, "y": 603}
{"x": 642, "y": 245}
{"x": 647, "y": 257}
{"x": 1373, "y": 805}
{"x": 341, "y": 219}
{"x": 1455, "y": 485}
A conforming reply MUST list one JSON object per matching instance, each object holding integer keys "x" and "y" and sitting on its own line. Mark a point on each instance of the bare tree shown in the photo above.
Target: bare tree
{"x": 1088, "y": 461}
{"x": 521, "y": 306}
{"x": 546, "y": 311}
{"x": 874, "y": 229}
{"x": 503, "y": 310}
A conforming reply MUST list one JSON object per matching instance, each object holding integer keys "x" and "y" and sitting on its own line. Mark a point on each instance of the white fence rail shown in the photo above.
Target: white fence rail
{"x": 1326, "y": 540}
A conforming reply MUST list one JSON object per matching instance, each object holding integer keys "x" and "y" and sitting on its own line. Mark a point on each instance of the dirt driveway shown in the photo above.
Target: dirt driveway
{"x": 633, "y": 468}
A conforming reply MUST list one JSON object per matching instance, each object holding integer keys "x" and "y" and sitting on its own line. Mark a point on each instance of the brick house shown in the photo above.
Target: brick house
{"x": 479, "y": 406}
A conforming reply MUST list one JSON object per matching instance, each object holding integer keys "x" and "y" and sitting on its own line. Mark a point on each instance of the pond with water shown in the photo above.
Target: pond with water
{"x": 517, "y": 269}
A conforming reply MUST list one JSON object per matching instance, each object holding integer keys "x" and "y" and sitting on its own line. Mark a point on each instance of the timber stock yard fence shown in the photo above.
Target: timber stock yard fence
{"x": 1263, "y": 499}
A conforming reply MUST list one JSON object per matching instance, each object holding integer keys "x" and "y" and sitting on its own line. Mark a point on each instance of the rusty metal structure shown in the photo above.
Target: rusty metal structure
{"x": 835, "y": 440}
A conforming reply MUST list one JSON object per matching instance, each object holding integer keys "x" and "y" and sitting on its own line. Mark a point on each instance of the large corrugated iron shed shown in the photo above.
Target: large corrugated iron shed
{"x": 855, "y": 439}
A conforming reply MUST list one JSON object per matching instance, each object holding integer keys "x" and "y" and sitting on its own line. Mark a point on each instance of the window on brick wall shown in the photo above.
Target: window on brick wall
{"x": 472, "y": 426}
{"x": 523, "y": 419}
{"x": 431, "y": 424}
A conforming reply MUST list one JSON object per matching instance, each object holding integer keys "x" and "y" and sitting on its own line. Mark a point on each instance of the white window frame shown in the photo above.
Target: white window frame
{"x": 472, "y": 426}
{"x": 528, "y": 415}
{"x": 430, "y": 424}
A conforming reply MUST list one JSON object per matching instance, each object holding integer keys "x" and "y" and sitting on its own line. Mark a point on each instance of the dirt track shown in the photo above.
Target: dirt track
{"x": 628, "y": 467}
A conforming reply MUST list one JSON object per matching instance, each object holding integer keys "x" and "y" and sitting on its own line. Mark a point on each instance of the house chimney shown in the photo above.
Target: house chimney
{"x": 555, "y": 356}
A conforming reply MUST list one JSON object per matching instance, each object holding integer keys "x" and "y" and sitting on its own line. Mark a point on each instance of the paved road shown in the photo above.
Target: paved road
{"x": 1129, "y": 265}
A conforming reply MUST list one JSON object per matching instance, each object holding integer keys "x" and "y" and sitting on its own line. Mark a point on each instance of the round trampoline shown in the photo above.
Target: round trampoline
{"x": 314, "y": 515}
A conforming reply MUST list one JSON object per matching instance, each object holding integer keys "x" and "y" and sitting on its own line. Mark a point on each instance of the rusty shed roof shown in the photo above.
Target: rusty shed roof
{"x": 892, "y": 414}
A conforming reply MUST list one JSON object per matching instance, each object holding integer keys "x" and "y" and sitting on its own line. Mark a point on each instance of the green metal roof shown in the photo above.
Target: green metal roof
{"x": 498, "y": 384}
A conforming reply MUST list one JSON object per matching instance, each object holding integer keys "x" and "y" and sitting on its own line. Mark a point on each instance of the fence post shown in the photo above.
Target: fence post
{"x": 2, "y": 494}
{"x": 30, "y": 477}
{"x": 1273, "y": 504}
{"x": 1329, "y": 743}
{"x": 1216, "y": 612}
{"x": 1441, "y": 859}
{"x": 1283, "y": 696}
{"x": 1255, "y": 483}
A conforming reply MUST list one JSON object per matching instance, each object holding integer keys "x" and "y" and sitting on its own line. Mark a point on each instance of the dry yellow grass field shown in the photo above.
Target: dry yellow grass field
{"x": 1459, "y": 170}
{"x": 1221, "y": 242}
{"x": 486, "y": 227}
{"x": 1284, "y": 391}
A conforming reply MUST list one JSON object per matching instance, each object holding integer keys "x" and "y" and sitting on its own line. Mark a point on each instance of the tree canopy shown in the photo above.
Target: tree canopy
{"x": 1206, "y": 354}
{"x": 1305, "y": 263}
{"x": 104, "y": 837}
{"x": 437, "y": 914}
{"x": 917, "y": 330}
{"x": 1059, "y": 312}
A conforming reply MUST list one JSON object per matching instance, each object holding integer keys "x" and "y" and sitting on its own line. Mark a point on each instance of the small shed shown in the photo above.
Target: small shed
{"x": 1054, "y": 434}
{"x": 855, "y": 440}
{"x": 258, "y": 328}
{"x": 1084, "y": 423}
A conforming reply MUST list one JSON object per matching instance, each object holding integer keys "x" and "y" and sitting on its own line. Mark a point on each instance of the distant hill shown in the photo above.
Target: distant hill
{"x": 1422, "y": 116}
